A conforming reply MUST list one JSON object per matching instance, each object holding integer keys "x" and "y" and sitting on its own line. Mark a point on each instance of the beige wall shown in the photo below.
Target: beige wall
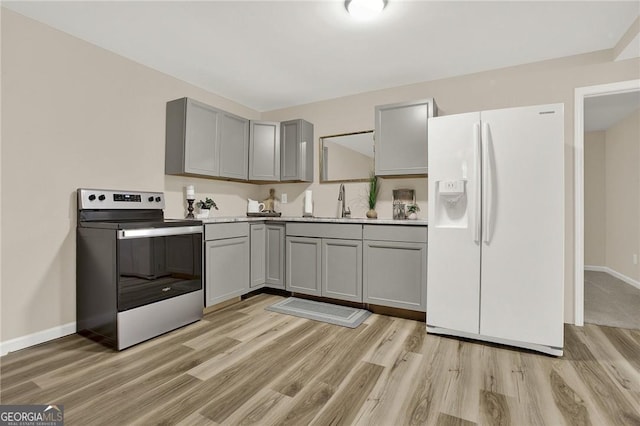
{"x": 594, "y": 198}
{"x": 75, "y": 115}
{"x": 622, "y": 184}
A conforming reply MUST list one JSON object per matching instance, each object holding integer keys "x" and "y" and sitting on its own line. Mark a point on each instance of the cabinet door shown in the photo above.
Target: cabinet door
{"x": 275, "y": 256}
{"x": 395, "y": 274}
{"x": 258, "y": 260}
{"x": 192, "y": 131}
{"x": 401, "y": 138}
{"x": 264, "y": 151}
{"x": 227, "y": 269}
{"x": 303, "y": 265}
{"x": 342, "y": 269}
{"x": 296, "y": 151}
{"x": 234, "y": 146}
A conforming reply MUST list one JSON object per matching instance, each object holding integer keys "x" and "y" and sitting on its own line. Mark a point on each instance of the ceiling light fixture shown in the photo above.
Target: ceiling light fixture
{"x": 364, "y": 9}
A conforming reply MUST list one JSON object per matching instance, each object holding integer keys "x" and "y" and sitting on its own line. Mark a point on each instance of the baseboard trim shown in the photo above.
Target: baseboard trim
{"x": 36, "y": 338}
{"x": 613, "y": 273}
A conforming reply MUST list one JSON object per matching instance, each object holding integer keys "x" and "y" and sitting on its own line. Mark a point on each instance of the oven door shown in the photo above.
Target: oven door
{"x": 158, "y": 263}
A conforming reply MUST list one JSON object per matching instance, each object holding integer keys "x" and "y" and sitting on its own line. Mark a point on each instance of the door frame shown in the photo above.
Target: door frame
{"x": 581, "y": 93}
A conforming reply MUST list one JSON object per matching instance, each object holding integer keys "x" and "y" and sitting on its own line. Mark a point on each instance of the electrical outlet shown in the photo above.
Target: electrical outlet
{"x": 635, "y": 259}
{"x": 283, "y": 199}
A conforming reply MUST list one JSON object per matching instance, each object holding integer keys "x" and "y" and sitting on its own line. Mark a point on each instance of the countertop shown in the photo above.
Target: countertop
{"x": 357, "y": 220}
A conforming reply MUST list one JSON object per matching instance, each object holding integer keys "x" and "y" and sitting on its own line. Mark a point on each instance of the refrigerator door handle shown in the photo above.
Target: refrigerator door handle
{"x": 487, "y": 187}
{"x": 477, "y": 205}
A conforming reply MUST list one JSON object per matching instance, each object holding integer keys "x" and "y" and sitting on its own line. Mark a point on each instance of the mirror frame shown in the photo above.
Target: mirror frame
{"x": 321, "y": 145}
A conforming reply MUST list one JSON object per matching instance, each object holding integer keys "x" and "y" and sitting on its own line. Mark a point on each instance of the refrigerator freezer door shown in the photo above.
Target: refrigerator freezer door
{"x": 453, "y": 260}
{"x": 522, "y": 271}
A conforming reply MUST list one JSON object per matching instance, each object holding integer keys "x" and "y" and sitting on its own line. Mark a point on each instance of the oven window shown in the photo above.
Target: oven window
{"x": 157, "y": 268}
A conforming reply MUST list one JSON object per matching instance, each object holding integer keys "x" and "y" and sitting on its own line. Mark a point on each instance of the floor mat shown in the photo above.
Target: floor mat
{"x": 320, "y": 311}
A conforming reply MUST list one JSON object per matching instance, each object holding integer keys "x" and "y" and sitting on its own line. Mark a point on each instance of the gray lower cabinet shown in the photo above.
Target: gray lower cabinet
{"x": 296, "y": 151}
{"x": 342, "y": 269}
{"x": 227, "y": 261}
{"x": 401, "y": 137}
{"x": 325, "y": 260}
{"x": 258, "y": 254}
{"x": 304, "y": 257}
{"x": 264, "y": 151}
{"x": 275, "y": 258}
{"x": 267, "y": 255}
{"x": 205, "y": 141}
{"x": 395, "y": 266}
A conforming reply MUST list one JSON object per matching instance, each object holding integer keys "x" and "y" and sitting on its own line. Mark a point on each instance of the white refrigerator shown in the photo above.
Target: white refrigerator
{"x": 495, "y": 263}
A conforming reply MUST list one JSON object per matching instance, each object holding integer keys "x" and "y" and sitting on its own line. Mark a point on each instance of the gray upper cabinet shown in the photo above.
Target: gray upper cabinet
{"x": 191, "y": 138}
{"x": 234, "y": 146}
{"x": 296, "y": 151}
{"x": 401, "y": 137}
{"x": 264, "y": 151}
{"x": 205, "y": 141}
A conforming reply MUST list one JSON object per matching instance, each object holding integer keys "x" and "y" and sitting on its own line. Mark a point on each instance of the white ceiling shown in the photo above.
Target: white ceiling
{"x": 601, "y": 112}
{"x": 274, "y": 54}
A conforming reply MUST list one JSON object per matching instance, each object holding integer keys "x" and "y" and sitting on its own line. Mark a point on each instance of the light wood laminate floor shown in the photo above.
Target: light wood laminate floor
{"x": 244, "y": 365}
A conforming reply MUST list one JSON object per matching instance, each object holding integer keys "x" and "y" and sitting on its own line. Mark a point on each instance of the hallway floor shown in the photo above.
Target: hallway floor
{"x": 610, "y": 301}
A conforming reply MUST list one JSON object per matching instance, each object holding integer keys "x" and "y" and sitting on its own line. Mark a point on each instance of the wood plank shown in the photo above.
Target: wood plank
{"x": 262, "y": 409}
{"x": 461, "y": 397}
{"x": 425, "y": 397}
{"x": 306, "y": 405}
{"x": 609, "y": 399}
{"x": 629, "y": 348}
{"x": 494, "y": 409}
{"x": 391, "y": 343}
{"x": 350, "y": 353}
{"x": 448, "y": 420}
{"x": 303, "y": 373}
{"x": 572, "y": 406}
{"x": 344, "y": 405}
{"x": 219, "y": 363}
{"x": 386, "y": 404}
{"x": 265, "y": 367}
{"x": 184, "y": 405}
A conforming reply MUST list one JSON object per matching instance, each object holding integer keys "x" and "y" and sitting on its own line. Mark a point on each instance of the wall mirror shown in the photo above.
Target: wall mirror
{"x": 347, "y": 157}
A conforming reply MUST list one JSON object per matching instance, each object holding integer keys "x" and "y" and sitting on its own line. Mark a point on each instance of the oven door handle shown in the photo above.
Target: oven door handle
{"x": 126, "y": 234}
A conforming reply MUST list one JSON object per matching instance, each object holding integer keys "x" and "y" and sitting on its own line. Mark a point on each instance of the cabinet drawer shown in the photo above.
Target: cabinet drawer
{"x": 326, "y": 230}
{"x": 408, "y": 233}
{"x": 218, "y": 231}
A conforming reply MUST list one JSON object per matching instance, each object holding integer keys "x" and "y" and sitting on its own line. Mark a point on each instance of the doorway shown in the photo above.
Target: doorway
{"x": 583, "y": 95}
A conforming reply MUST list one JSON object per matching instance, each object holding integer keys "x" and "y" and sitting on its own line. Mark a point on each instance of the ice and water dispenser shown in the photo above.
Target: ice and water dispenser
{"x": 451, "y": 204}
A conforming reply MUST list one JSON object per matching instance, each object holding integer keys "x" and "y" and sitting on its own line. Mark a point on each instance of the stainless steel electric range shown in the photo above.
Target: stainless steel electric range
{"x": 138, "y": 274}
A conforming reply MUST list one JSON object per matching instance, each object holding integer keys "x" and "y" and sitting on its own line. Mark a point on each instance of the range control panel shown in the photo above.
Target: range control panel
{"x": 100, "y": 199}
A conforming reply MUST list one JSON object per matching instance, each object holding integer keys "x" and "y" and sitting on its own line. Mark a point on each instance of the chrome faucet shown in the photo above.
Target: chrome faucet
{"x": 344, "y": 211}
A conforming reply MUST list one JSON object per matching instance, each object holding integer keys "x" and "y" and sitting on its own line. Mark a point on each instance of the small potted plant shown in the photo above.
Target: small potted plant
{"x": 412, "y": 211}
{"x": 206, "y": 206}
{"x": 372, "y": 196}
